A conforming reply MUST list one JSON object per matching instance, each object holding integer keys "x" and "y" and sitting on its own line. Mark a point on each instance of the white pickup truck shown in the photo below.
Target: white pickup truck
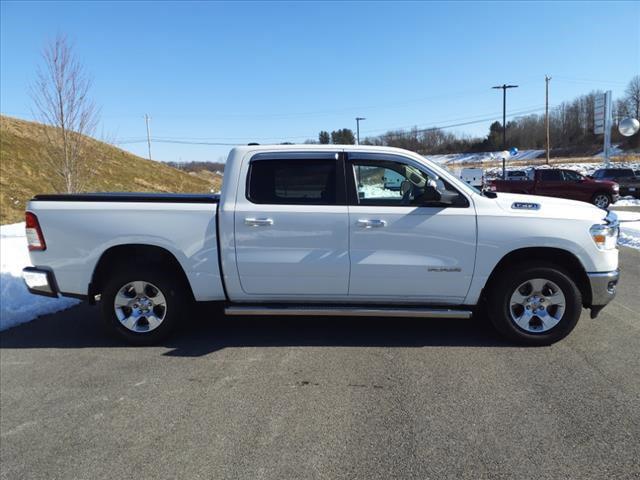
{"x": 312, "y": 230}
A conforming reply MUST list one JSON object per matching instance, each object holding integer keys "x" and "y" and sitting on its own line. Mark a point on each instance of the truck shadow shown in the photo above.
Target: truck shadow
{"x": 209, "y": 330}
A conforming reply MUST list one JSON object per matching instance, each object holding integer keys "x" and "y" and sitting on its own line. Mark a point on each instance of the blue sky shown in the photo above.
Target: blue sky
{"x": 269, "y": 71}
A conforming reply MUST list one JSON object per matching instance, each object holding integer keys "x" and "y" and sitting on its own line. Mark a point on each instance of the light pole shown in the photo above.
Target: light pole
{"x": 358, "y": 129}
{"x": 504, "y": 88}
{"x": 547, "y": 78}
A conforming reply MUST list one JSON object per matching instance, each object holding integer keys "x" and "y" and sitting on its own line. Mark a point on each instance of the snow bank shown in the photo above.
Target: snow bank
{"x": 629, "y": 230}
{"x": 628, "y": 202}
{"x": 17, "y": 305}
{"x": 480, "y": 157}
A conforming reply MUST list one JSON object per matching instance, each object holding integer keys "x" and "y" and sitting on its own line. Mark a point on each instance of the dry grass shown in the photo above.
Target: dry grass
{"x": 23, "y": 173}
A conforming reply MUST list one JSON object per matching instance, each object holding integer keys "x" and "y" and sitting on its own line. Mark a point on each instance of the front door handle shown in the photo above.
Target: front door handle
{"x": 258, "y": 222}
{"x": 375, "y": 223}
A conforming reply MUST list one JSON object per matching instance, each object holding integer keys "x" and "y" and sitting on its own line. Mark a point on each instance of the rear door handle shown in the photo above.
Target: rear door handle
{"x": 375, "y": 223}
{"x": 258, "y": 222}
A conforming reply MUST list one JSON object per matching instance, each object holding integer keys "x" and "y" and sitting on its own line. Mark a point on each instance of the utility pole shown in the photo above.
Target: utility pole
{"x": 358, "y": 129}
{"x": 504, "y": 88}
{"x": 546, "y": 116}
{"x": 146, "y": 119}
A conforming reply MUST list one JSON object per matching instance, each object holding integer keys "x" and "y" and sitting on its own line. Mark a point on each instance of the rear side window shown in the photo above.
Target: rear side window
{"x": 551, "y": 175}
{"x": 614, "y": 173}
{"x": 293, "y": 182}
{"x": 571, "y": 176}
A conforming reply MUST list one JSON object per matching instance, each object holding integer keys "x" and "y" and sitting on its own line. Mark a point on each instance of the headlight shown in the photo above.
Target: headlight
{"x": 616, "y": 187}
{"x": 604, "y": 236}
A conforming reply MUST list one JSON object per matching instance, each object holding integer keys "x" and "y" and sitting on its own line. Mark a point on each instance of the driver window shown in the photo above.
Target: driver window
{"x": 388, "y": 183}
{"x": 571, "y": 176}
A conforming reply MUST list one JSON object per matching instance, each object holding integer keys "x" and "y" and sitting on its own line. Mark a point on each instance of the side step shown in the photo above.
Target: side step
{"x": 345, "y": 311}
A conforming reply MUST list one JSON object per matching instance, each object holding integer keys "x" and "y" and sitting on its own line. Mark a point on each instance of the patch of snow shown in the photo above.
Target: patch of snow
{"x": 374, "y": 191}
{"x": 614, "y": 151}
{"x": 628, "y": 201}
{"x": 629, "y": 229}
{"x": 580, "y": 167}
{"x": 455, "y": 158}
{"x": 17, "y": 305}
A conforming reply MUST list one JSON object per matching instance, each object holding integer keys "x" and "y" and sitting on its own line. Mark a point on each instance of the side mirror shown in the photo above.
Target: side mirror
{"x": 430, "y": 195}
{"x": 448, "y": 197}
{"x": 434, "y": 198}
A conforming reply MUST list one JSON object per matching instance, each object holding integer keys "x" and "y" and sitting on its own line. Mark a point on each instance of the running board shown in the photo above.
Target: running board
{"x": 346, "y": 311}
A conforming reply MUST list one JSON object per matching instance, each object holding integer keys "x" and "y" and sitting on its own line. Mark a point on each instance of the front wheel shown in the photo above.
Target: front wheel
{"x": 539, "y": 305}
{"x": 143, "y": 305}
{"x": 601, "y": 200}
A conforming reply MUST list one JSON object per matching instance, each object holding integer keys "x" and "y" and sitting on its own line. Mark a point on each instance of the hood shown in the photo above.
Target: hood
{"x": 549, "y": 207}
{"x": 607, "y": 183}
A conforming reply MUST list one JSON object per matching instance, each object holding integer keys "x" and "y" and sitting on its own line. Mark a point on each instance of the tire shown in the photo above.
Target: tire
{"x": 601, "y": 200}
{"x": 555, "y": 315}
{"x": 150, "y": 303}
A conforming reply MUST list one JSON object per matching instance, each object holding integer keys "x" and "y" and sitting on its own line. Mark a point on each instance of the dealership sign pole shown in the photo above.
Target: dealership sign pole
{"x": 602, "y": 122}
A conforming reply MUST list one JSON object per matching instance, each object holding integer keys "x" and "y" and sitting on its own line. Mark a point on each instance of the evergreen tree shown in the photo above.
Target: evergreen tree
{"x": 344, "y": 136}
{"x": 324, "y": 137}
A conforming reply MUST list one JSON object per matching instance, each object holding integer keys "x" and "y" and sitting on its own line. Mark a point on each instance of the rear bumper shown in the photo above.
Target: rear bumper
{"x": 633, "y": 191}
{"x": 40, "y": 281}
{"x": 603, "y": 289}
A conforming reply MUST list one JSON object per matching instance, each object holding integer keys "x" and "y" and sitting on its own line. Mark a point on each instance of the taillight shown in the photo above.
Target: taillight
{"x": 35, "y": 239}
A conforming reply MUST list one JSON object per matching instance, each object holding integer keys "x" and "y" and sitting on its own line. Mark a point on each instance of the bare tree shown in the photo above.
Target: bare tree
{"x": 60, "y": 94}
{"x": 633, "y": 96}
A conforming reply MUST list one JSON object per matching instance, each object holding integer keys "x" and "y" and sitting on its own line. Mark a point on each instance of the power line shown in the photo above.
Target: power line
{"x": 524, "y": 110}
{"x": 191, "y": 142}
{"x": 432, "y": 125}
{"x": 589, "y": 80}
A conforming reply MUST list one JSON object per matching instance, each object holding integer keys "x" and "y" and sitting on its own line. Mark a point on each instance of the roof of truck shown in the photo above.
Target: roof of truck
{"x": 316, "y": 147}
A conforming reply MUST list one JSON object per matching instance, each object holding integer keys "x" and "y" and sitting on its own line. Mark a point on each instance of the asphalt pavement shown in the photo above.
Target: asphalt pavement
{"x": 323, "y": 398}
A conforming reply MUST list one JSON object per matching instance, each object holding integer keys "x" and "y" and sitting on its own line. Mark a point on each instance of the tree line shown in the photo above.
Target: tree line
{"x": 570, "y": 127}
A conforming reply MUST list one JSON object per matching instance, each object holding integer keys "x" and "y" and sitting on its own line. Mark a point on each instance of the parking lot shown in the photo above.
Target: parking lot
{"x": 327, "y": 398}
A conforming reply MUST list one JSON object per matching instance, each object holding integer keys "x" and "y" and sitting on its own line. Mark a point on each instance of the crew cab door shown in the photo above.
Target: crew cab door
{"x": 574, "y": 186}
{"x": 291, "y": 226}
{"x": 402, "y": 248}
{"x": 550, "y": 183}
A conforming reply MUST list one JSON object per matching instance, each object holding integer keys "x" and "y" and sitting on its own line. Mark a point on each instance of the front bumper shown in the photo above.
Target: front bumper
{"x": 40, "y": 281}
{"x": 603, "y": 289}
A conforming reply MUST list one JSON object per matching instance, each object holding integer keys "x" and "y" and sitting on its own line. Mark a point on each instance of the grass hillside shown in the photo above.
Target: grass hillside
{"x": 23, "y": 173}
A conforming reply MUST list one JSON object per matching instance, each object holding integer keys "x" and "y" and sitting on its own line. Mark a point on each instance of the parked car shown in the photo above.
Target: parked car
{"x": 564, "y": 184}
{"x": 311, "y": 230}
{"x": 628, "y": 180}
{"x": 473, "y": 177}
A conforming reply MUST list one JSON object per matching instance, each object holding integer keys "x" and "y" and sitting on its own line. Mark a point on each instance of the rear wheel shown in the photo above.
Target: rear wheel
{"x": 601, "y": 200}
{"x": 539, "y": 305}
{"x": 143, "y": 305}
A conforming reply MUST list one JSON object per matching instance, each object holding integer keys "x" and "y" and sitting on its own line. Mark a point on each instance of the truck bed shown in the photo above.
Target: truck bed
{"x": 129, "y": 197}
{"x": 81, "y": 228}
